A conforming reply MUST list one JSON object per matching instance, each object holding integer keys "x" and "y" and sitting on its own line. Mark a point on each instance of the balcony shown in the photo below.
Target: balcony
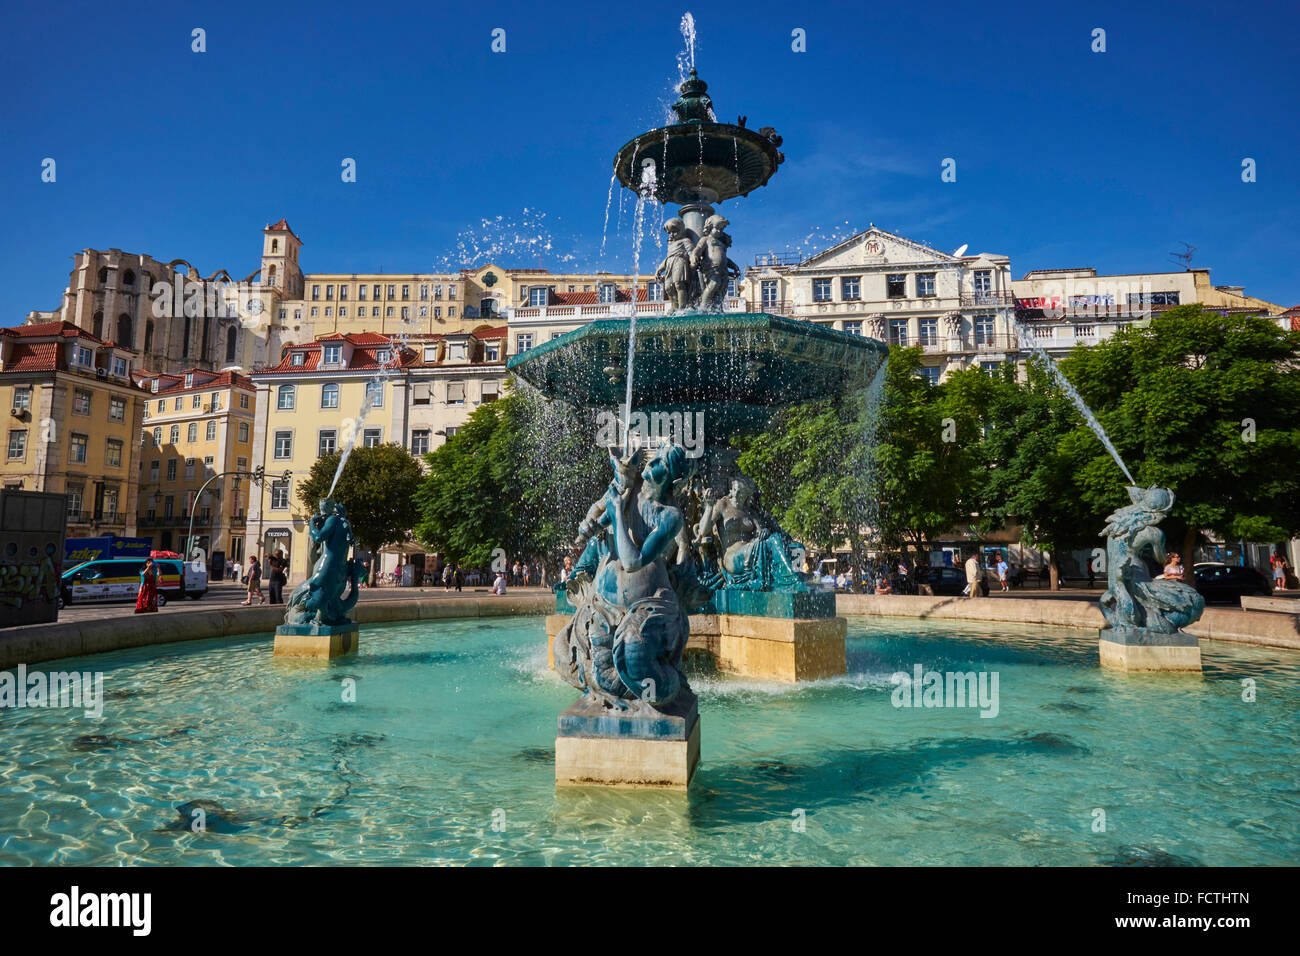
{"x": 987, "y": 300}
{"x": 600, "y": 310}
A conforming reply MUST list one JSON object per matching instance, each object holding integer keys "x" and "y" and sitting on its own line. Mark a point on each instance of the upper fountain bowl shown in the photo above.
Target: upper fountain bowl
{"x": 697, "y": 159}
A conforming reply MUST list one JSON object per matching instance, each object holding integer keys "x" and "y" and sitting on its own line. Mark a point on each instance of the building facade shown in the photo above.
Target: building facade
{"x": 196, "y": 460}
{"x": 74, "y": 423}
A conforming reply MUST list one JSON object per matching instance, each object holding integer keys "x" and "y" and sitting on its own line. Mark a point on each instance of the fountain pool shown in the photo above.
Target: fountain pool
{"x": 454, "y": 721}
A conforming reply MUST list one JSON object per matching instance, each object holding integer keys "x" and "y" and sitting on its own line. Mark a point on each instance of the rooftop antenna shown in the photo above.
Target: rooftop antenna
{"x": 1184, "y": 258}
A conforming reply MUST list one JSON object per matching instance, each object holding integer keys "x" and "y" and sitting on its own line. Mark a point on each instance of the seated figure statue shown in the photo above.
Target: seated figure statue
{"x": 1132, "y": 599}
{"x": 327, "y": 594}
{"x": 751, "y": 552}
{"x": 624, "y": 644}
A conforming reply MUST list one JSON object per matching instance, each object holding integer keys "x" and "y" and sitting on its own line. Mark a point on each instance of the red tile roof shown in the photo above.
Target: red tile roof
{"x": 282, "y": 226}
{"x": 491, "y": 332}
{"x": 593, "y": 298}
{"x": 36, "y": 357}
{"x": 44, "y": 329}
{"x": 169, "y": 383}
{"x": 365, "y": 345}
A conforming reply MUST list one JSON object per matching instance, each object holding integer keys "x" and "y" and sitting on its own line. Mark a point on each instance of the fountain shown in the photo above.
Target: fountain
{"x": 678, "y": 549}
{"x": 316, "y": 623}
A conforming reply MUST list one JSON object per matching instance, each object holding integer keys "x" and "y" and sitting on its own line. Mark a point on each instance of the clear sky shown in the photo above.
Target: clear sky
{"x": 1065, "y": 157}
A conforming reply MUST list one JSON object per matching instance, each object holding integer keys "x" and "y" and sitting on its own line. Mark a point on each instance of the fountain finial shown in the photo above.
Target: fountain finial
{"x": 694, "y": 105}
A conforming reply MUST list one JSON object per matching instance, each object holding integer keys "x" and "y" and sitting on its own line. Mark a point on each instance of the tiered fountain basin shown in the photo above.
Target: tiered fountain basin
{"x": 736, "y": 367}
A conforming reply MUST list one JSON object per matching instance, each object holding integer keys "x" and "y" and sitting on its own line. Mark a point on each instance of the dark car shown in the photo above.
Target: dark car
{"x": 941, "y": 581}
{"x": 1229, "y": 582}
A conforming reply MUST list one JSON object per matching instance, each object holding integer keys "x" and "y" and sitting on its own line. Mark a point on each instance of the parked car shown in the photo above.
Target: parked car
{"x": 118, "y": 579}
{"x": 1229, "y": 582}
{"x": 941, "y": 580}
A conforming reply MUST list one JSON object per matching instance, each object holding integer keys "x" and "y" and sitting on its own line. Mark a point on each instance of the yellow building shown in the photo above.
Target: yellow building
{"x": 198, "y": 425}
{"x": 308, "y": 405}
{"x": 74, "y": 423}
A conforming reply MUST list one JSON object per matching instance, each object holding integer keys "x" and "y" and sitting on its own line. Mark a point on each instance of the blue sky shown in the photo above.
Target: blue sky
{"x": 1065, "y": 157}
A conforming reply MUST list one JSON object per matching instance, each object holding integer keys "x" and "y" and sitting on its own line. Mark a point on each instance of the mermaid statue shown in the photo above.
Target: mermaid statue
{"x": 748, "y": 548}
{"x": 624, "y": 645}
{"x": 330, "y": 591}
{"x": 1133, "y": 600}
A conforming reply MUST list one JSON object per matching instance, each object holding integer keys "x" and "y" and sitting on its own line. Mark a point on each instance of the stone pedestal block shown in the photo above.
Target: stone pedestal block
{"x": 600, "y": 747}
{"x": 316, "y": 641}
{"x": 1135, "y": 649}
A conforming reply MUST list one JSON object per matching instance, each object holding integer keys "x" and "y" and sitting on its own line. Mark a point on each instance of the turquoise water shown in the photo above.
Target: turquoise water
{"x": 455, "y": 720}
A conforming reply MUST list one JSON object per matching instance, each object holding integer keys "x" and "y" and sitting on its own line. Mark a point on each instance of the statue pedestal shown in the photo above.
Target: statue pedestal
{"x": 600, "y": 747}
{"x": 1136, "y": 649}
{"x": 772, "y": 648}
{"x": 316, "y": 641}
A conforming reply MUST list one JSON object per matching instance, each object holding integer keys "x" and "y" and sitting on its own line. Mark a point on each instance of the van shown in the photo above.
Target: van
{"x": 118, "y": 579}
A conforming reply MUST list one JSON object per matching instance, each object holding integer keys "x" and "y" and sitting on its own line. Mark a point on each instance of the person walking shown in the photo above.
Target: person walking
{"x": 1003, "y": 568}
{"x": 973, "y": 575}
{"x": 277, "y": 578}
{"x": 446, "y": 576}
{"x": 254, "y": 582}
{"x": 235, "y": 569}
{"x": 1279, "y": 571}
{"x": 457, "y": 576}
{"x": 146, "y": 602}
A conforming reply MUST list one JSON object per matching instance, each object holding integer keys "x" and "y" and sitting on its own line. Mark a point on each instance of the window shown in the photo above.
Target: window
{"x": 930, "y": 373}
{"x": 983, "y": 281}
{"x": 437, "y": 312}
{"x": 451, "y": 311}
{"x": 371, "y": 437}
{"x": 850, "y": 288}
{"x": 154, "y": 467}
{"x": 455, "y": 393}
{"x": 83, "y": 356}
{"x": 491, "y": 391}
{"x": 189, "y": 469}
{"x": 174, "y": 435}
{"x": 215, "y": 401}
{"x": 75, "y": 494}
{"x": 299, "y": 358}
{"x": 157, "y": 436}
{"x": 326, "y": 442}
{"x": 329, "y": 292}
{"x": 424, "y": 291}
{"x": 895, "y": 286}
{"x": 169, "y": 506}
{"x": 243, "y": 401}
{"x": 361, "y": 312}
{"x": 929, "y": 331}
{"x": 989, "y": 368}
{"x": 654, "y": 291}
{"x": 80, "y": 402}
{"x": 286, "y": 397}
{"x": 452, "y": 429}
{"x": 211, "y": 432}
{"x": 120, "y": 367}
{"x": 23, "y": 399}
{"x": 422, "y": 394}
{"x": 77, "y": 451}
{"x": 196, "y": 400}
{"x": 192, "y": 432}
{"x": 406, "y": 292}
{"x": 361, "y": 292}
{"x": 733, "y": 289}
{"x": 375, "y": 394}
{"x": 853, "y": 328}
{"x": 343, "y": 296}
{"x": 283, "y": 445}
{"x": 492, "y": 352}
{"x": 241, "y": 464}
{"x": 925, "y": 283}
{"x": 243, "y": 431}
{"x": 162, "y": 405}
{"x": 420, "y": 441}
{"x": 388, "y": 311}
{"x": 297, "y": 313}
{"x": 607, "y": 292}
{"x": 437, "y": 292}
{"x": 451, "y": 292}
{"x": 898, "y": 331}
{"x": 329, "y": 396}
{"x": 315, "y": 292}
{"x": 523, "y": 342}
{"x": 329, "y": 311}
{"x": 171, "y": 470}
{"x": 769, "y": 291}
{"x": 113, "y": 454}
{"x": 177, "y": 403}
{"x": 280, "y": 495}
{"x": 983, "y": 330}
{"x": 332, "y": 354}
{"x": 391, "y": 289}
{"x": 456, "y": 352}
{"x": 117, "y": 409}
{"x": 376, "y": 295}
{"x": 424, "y": 311}
{"x": 18, "y": 443}
{"x": 384, "y": 356}
{"x": 821, "y": 290}
{"x": 538, "y": 297}
{"x": 314, "y": 311}
{"x": 110, "y": 501}
{"x": 1153, "y": 298}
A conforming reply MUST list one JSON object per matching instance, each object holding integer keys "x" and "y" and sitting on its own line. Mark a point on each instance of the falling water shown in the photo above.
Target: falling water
{"x": 645, "y": 193}
{"x": 686, "y": 59}
{"x": 609, "y": 200}
{"x": 1027, "y": 342}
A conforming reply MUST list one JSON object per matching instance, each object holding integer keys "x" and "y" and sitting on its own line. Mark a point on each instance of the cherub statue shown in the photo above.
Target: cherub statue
{"x": 1132, "y": 599}
{"x": 681, "y": 285}
{"x": 710, "y": 260}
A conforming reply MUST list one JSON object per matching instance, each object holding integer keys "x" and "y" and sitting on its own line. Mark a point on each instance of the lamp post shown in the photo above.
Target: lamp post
{"x": 257, "y": 475}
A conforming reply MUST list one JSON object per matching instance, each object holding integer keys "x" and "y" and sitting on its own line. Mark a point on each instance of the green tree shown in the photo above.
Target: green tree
{"x": 1205, "y": 404}
{"x": 377, "y": 487}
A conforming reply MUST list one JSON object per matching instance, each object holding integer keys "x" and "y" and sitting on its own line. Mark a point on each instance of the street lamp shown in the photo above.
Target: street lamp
{"x": 257, "y": 475}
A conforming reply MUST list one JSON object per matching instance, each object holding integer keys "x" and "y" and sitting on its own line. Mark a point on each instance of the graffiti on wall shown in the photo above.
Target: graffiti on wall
{"x": 28, "y": 579}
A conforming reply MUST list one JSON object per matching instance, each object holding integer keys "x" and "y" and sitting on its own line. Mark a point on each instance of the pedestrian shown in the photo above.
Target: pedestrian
{"x": 146, "y": 601}
{"x": 526, "y": 574}
{"x": 446, "y": 577}
{"x": 1279, "y": 571}
{"x": 457, "y": 576}
{"x": 973, "y": 575}
{"x": 567, "y": 571}
{"x": 236, "y": 569}
{"x": 1173, "y": 567}
{"x": 254, "y": 582}
{"x": 1003, "y": 568}
{"x": 499, "y": 585}
{"x": 278, "y": 577}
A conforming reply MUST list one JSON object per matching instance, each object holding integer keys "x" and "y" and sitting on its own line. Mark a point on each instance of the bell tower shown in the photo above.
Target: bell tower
{"x": 280, "y": 267}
